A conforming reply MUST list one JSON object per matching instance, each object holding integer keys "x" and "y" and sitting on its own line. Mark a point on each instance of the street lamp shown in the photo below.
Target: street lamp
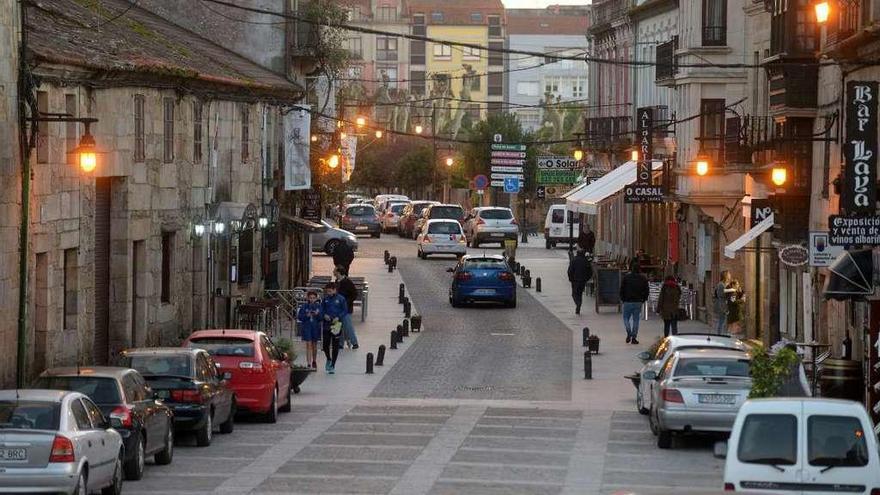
{"x": 219, "y": 227}
{"x": 823, "y": 11}
{"x": 578, "y": 154}
{"x": 702, "y": 165}
{"x": 378, "y": 134}
{"x": 314, "y": 138}
{"x": 419, "y": 129}
{"x": 779, "y": 175}
{"x": 88, "y": 157}
{"x": 333, "y": 161}
{"x": 449, "y": 162}
{"x": 199, "y": 229}
{"x": 360, "y": 121}
{"x": 634, "y": 155}
{"x": 343, "y": 135}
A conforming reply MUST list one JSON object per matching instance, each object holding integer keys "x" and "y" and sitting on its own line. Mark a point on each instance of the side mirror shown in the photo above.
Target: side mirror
{"x": 720, "y": 450}
{"x": 644, "y": 356}
{"x": 450, "y": 270}
{"x": 649, "y": 375}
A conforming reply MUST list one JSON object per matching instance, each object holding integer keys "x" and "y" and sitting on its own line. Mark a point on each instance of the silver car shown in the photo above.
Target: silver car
{"x": 653, "y": 359}
{"x": 698, "y": 390}
{"x": 57, "y": 441}
{"x": 490, "y": 224}
{"x": 326, "y": 242}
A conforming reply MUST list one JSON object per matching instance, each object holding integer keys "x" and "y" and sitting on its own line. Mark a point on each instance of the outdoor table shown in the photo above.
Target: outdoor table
{"x": 814, "y": 368}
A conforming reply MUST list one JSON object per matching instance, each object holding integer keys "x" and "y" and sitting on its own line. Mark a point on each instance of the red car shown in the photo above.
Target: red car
{"x": 258, "y": 373}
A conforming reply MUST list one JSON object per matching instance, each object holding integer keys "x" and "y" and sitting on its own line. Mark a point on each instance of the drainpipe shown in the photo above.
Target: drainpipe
{"x": 25, "y": 146}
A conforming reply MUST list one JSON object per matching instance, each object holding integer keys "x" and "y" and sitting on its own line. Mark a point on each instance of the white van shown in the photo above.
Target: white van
{"x": 381, "y": 201}
{"x": 801, "y": 445}
{"x": 557, "y": 229}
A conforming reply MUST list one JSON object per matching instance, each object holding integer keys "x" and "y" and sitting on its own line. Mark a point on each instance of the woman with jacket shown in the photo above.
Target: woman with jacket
{"x": 735, "y": 308}
{"x": 668, "y": 305}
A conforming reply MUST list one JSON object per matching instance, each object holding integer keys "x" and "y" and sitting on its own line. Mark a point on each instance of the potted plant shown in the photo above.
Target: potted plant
{"x": 769, "y": 371}
{"x": 298, "y": 372}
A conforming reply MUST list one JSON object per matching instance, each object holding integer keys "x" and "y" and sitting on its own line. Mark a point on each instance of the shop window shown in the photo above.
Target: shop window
{"x": 246, "y": 256}
{"x": 71, "y": 288}
{"x": 167, "y": 265}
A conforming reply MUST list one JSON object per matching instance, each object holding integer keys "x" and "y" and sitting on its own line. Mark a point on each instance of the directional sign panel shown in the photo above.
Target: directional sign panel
{"x": 500, "y": 183}
{"x": 508, "y": 176}
{"x": 506, "y": 161}
{"x": 509, "y": 154}
{"x": 508, "y": 147}
{"x": 500, "y": 168}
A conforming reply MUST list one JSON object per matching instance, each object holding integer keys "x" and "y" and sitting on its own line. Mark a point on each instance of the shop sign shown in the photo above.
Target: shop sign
{"x": 557, "y": 162}
{"x": 860, "y": 145}
{"x": 311, "y": 206}
{"x": 556, "y": 176}
{"x": 645, "y": 133}
{"x": 760, "y": 209}
{"x": 640, "y": 193}
{"x": 794, "y": 255}
{"x": 854, "y": 231}
{"x": 822, "y": 253}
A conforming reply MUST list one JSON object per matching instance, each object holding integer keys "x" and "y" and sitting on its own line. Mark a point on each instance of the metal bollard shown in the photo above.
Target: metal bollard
{"x": 538, "y": 284}
{"x": 405, "y": 325}
{"x": 586, "y": 335}
{"x": 369, "y": 363}
{"x": 522, "y": 270}
{"x": 390, "y": 266}
{"x": 387, "y": 256}
{"x": 393, "y": 261}
{"x": 407, "y": 309}
{"x": 416, "y": 321}
{"x": 380, "y": 356}
{"x": 393, "y": 339}
{"x": 401, "y": 293}
{"x": 527, "y": 279}
{"x": 588, "y": 365}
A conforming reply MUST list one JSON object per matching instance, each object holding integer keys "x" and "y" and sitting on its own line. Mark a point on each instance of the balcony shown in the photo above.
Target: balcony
{"x": 748, "y": 141}
{"x": 304, "y": 38}
{"x": 665, "y": 70}
{"x": 603, "y": 14}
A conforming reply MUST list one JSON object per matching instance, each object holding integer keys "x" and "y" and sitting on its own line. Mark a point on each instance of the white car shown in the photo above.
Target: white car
{"x": 390, "y": 218}
{"x": 491, "y": 224}
{"x": 801, "y": 446}
{"x": 441, "y": 236}
{"x": 557, "y": 229}
{"x": 57, "y": 441}
{"x": 655, "y": 358}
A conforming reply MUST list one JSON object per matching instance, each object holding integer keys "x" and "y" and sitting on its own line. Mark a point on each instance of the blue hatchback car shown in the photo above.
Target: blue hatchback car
{"x": 482, "y": 278}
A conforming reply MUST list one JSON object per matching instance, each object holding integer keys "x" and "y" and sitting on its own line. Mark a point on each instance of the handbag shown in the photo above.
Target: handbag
{"x": 335, "y": 328}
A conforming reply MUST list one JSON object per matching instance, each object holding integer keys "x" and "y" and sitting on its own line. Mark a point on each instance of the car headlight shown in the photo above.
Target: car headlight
{"x": 352, "y": 239}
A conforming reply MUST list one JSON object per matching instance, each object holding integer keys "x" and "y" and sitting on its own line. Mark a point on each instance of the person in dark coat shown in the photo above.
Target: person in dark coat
{"x": 668, "y": 305}
{"x": 343, "y": 255}
{"x": 334, "y": 309}
{"x": 587, "y": 239}
{"x": 346, "y": 288}
{"x": 579, "y": 273}
{"x": 634, "y": 292}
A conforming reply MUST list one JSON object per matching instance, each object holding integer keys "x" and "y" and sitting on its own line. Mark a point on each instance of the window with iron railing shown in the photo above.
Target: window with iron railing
{"x": 714, "y": 23}
{"x": 850, "y": 16}
{"x": 665, "y": 57}
{"x": 793, "y": 28}
{"x": 386, "y": 49}
{"x": 494, "y": 26}
{"x": 386, "y": 14}
{"x": 712, "y": 127}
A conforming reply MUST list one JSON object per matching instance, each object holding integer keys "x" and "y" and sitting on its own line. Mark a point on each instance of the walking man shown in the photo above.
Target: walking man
{"x": 346, "y": 288}
{"x": 343, "y": 255}
{"x": 633, "y": 294}
{"x": 721, "y": 295}
{"x": 587, "y": 239}
{"x": 579, "y": 273}
{"x": 334, "y": 310}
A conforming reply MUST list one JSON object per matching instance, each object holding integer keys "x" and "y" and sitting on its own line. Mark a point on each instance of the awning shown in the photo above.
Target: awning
{"x": 587, "y": 199}
{"x": 303, "y": 225}
{"x": 752, "y": 234}
{"x": 851, "y": 276}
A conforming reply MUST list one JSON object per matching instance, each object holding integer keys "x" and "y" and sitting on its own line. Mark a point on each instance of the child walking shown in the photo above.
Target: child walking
{"x": 335, "y": 309}
{"x": 310, "y": 317}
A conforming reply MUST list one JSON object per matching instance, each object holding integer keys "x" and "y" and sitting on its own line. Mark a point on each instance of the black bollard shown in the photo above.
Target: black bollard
{"x": 369, "y": 363}
{"x": 393, "y": 261}
{"x": 401, "y": 293}
{"x": 522, "y": 270}
{"x": 380, "y": 356}
{"x": 527, "y": 279}
{"x": 390, "y": 267}
{"x": 393, "y": 339}
{"x": 399, "y": 334}
{"x": 407, "y": 309}
{"x": 387, "y": 256}
{"x": 588, "y": 366}
{"x": 416, "y": 323}
{"x": 538, "y": 284}
{"x": 405, "y": 325}
{"x": 586, "y": 336}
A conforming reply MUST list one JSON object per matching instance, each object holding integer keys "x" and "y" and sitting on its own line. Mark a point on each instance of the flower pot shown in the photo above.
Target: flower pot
{"x": 593, "y": 344}
{"x": 297, "y": 376}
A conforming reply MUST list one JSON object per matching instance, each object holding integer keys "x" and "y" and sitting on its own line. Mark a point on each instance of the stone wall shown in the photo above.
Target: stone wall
{"x": 10, "y": 188}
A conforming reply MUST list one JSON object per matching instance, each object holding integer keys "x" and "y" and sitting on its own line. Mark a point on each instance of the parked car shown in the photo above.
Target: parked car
{"x": 259, "y": 374}
{"x": 190, "y": 383}
{"x": 697, "y": 391}
{"x": 381, "y": 201}
{"x": 558, "y": 229}
{"x": 482, "y": 278}
{"x": 490, "y": 224}
{"x": 145, "y": 424}
{"x": 801, "y": 445}
{"x": 328, "y": 240}
{"x": 57, "y": 441}
{"x": 390, "y": 218}
{"x": 441, "y": 237}
{"x": 410, "y": 216}
{"x": 439, "y": 212}
{"x": 361, "y": 219}
{"x": 653, "y": 360}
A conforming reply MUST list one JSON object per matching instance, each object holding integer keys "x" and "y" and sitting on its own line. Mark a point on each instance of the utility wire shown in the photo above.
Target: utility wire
{"x": 563, "y": 105}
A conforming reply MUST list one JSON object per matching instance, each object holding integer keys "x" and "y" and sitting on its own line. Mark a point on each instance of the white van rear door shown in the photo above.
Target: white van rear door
{"x": 767, "y": 455}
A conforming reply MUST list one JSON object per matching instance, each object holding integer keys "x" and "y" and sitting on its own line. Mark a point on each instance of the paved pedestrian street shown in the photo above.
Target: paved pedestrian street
{"x": 483, "y": 401}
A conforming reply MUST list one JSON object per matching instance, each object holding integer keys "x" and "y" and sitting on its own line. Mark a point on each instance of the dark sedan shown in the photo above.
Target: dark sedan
{"x": 361, "y": 220}
{"x": 482, "y": 278}
{"x": 188, "y": 381}
{"x": 145, "y": 424}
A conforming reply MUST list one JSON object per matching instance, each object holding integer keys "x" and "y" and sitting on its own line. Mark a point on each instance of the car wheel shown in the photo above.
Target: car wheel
{"x": 165, "y": 455}
{"x": 664, "y": 439}
{"x": 115, "y": 487}
{"x": 331, "y": 246}
{"x": 271, "y": 415}
{"x": 134, "y": 468}
{"x": 454, "y": 303}
{"x": 229, "y": 425}
{"x": 82, "y": 485}
{"x": 288, "y": 404}
{"x": 640, "y": 404}
{"x": 651, "y": 424}
{"x": 204, "y": 436}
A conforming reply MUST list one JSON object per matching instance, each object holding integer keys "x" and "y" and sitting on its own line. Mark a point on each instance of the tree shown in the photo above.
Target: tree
{"x": 377, "y": 164}
{"x": 476, "y": 157}
{"x": 414, "y": 170}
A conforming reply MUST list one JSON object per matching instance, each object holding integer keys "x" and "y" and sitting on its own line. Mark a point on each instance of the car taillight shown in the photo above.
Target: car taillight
{"x": 193, "y": 396}
{"x": 123, "y": 415}
{"x": 480, "y": 221}
{"x": 250, "y": 365}
{"x": 346, "y": 218}
{"x": 730, "y": 487}
{"x": 506, "y": 276}
{"x": 671, "y": 395}
{"x": 463, "y": 276}
{"x": 62, "y": 450}
{"x": 513, "y": 221}
{"x": 875, "y": 491}
{"x": 427, "y": 239}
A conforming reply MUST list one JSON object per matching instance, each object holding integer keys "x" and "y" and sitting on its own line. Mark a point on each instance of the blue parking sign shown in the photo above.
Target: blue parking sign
{"x": 511, "y": 184}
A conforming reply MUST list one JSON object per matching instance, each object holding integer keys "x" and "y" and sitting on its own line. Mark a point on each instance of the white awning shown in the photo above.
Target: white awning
{"x": 752, "y": 234}
{"x": 587, "y": 199}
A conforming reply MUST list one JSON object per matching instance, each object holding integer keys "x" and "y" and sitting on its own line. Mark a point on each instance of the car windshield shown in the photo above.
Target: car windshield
{"x": 769, "y": 439}
{"x": 160, "y": 364}
{"x": 450, "y": 212}
{"x": 360, "y": 211}
{"x": 499, "y": 214}
{"x": 397, "y": 208}
{"x": 444, "y": 228}
{"x": 485, "y": 264}
{"x": 224, "y": 346}
{"x": 29, "y": 414}
{"x": 101, "y": 390}
{"x": 712, "y": 367}
{"x": 836, "y": 441}
{"x": 418, "y": 209}
{"x": 559, "y": 216}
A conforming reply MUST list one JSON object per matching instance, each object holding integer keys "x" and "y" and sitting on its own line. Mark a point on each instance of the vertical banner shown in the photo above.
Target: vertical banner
{"x": 645, "y": 133}
{"x": 297, "y": 173}
{"x": 860, "y": 148}
{"x": 349, "y": 153}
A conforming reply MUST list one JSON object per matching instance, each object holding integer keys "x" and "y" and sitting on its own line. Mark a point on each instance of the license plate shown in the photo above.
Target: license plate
{"x": 163, "y": 394}
{"x": 13, "y": 454}
{"x": 484, "y": 292}
{"x": 716, "y": 399}
{"x": 361, "y": 227}
{"x": 497, "y": 234}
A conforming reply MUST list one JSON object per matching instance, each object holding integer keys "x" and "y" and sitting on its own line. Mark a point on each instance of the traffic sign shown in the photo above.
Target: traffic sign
{"x": 500, "y": 183}
{"x": 481, "y": 181}
{"x": 508, "y": 154}
{"x": 511, "y": 185}
{"x": 497, "y": 138}
{"x": 506, "y": 161}
{"x": 501, "y": 168}
{"x": 508, "y": 176}
{"x": 508, "y": 147}
{"x": 540, "y": 192}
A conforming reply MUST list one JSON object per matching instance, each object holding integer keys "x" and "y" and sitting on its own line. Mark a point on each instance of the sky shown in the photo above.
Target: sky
{"x": 535, "y": 4}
